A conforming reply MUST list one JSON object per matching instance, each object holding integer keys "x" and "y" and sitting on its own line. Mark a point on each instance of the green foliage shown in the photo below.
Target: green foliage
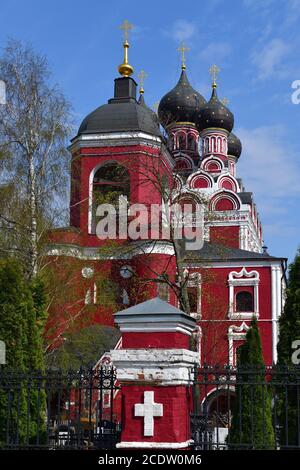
{"x": 251, "y": 425}
{"x": 22, "y": 318}
{"x": 289, "y": 323}
{"x": 289, "y": 328}
{"x": 83, "y": 348}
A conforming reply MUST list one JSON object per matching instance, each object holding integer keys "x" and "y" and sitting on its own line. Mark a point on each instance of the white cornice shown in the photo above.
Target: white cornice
{"x": 114, "y": 138}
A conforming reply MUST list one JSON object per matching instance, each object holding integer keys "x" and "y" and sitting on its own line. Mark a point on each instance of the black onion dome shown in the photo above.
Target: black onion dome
{"x": 215, "y": 114}
{"x": 122, "y": 113}
{"x": 181, "y": 104}
{"x": 234, "y": 145}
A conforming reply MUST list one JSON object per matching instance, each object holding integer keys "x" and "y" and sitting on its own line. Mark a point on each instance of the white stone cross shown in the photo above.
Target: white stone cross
{"x": 148, "y": 410}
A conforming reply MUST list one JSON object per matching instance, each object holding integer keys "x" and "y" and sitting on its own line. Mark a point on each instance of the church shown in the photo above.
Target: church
{"x": 123, "y": 149}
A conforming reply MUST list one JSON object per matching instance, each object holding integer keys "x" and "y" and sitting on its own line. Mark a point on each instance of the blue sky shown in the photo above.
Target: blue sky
{"x": 256, "y": 43}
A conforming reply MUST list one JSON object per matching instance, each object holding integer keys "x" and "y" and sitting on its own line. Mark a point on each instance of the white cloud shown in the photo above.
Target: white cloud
{"x": 269, "y": 166}
{"x": 269, "y": 59}
{"x": 182, "y": 30}
{"x": 216, "y": 51}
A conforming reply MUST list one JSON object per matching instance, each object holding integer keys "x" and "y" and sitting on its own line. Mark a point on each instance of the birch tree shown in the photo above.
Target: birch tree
{"x": 34, "y": 126}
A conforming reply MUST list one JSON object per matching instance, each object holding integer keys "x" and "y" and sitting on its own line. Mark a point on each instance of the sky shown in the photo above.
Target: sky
{"x": 255, "y": 43}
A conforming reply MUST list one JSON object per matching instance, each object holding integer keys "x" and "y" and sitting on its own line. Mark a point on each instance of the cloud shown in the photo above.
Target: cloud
{"x": 216, "y": 51}
{"x": 182, "y": 30}
{"x": 269, "y": 60}
{"x": 269, "y": 166}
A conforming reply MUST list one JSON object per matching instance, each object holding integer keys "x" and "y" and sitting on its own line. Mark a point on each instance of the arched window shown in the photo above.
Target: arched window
{"x": 244, "y": 302}
{"x": 192, "y": 145}
{"x": 110, "y": 182}
{"x": 181, "y": 142}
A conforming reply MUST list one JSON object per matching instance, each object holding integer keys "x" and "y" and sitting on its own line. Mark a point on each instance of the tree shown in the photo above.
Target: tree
{"x": 83, "y": 348}
{"x": 251, "y": 426}
{"x": 22, "y": 318}
{"x": 34, "y": 126}
{"x": 153, "y": 176}
{"x": 289, "y": 323}
{"x": 286, "y": 378}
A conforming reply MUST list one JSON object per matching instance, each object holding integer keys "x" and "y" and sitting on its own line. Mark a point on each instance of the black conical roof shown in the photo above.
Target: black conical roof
{"x": 215, "y": 114}
{"x": 234, "y": 145}
{"x": 181, "y": 104}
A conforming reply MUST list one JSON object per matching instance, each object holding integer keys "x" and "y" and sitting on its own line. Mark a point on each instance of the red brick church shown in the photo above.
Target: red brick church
{"x": 231, "y": 278}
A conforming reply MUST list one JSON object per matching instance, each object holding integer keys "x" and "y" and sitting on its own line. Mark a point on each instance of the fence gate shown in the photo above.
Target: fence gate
{"x": 54, "y": 409}
{"x": 246, "y": 408}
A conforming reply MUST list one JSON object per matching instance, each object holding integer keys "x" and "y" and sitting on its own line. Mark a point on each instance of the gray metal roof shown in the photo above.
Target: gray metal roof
{"x": 153, "y": 306}
{"x": 122, "y": 113}
{"x": 216, "y": 252}
{"x": 246, "y": 197}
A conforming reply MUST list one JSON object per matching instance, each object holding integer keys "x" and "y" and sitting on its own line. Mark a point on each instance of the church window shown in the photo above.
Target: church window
{"x": 181, "y": 142}
{"x": 110, "y": 182}
{"x": 193, "y": 299}
{"x": 192, "y": 144}
{"x": 244, "y": 302}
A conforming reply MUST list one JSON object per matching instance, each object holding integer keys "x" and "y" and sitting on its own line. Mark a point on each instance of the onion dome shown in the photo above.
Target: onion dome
{"x": 215, "y": 114}
{"x": 122, "y": 113}
{"x": 234, "y": 145}
{"x": 181, "y": 104}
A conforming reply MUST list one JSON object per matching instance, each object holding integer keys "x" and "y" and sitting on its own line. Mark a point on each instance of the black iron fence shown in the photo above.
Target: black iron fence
{"x": 246, "y": 408}
{"x": 54, "y": 409}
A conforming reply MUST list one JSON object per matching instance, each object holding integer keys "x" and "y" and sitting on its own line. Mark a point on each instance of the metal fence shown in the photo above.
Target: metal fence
{"x": 54, "y": 409}
{"x": 246, "y": 408}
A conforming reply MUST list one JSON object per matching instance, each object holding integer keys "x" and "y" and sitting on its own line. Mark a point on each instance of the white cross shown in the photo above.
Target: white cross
{"x": 148, "y": 410}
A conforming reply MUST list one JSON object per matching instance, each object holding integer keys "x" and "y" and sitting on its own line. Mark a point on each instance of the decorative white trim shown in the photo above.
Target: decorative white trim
{"x": 224, "y": 193}
{"x": 234, "y": 264}
{"x": 211, "y": 158}
{"x": 92, "y": 253}
{"x": 154, "y": 445}
{"x": 235, "y": 333}
{"x": 162, "y": 366}
{"x": 234, "y": 280}
{"x": 161, "y": 327}
{"x": 113, "y": 138}
{"x": 276, "y": 307}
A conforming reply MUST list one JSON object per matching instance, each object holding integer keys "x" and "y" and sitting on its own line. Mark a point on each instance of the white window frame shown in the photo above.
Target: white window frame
{"x": 235, "y": 333}
{"x": 195, "y": 281}
{"x": 237, "y": 279}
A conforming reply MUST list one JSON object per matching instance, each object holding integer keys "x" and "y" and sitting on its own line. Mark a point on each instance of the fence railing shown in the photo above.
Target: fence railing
{"x": 246, "y": 408}
{"x": 54, "y": 409}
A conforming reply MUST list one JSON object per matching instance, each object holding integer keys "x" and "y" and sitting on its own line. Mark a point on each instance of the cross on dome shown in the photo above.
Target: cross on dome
{"x": 142, "y": 75}
{"x": 214, "y": 72}
{"x": 126, "y": 26}
{"x": 183, "y": 49}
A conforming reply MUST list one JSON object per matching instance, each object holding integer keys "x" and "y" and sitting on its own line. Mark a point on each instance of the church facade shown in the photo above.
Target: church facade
{"x": 124, "y": 151}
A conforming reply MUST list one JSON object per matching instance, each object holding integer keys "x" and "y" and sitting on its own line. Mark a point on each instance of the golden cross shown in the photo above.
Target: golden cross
{"x": 225, "y": 101}
{"x": 214, "y": 72}
{"x": 142, "y": 76}
{"x": 126, "y": 26}
{"x": 183, "y": 49}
